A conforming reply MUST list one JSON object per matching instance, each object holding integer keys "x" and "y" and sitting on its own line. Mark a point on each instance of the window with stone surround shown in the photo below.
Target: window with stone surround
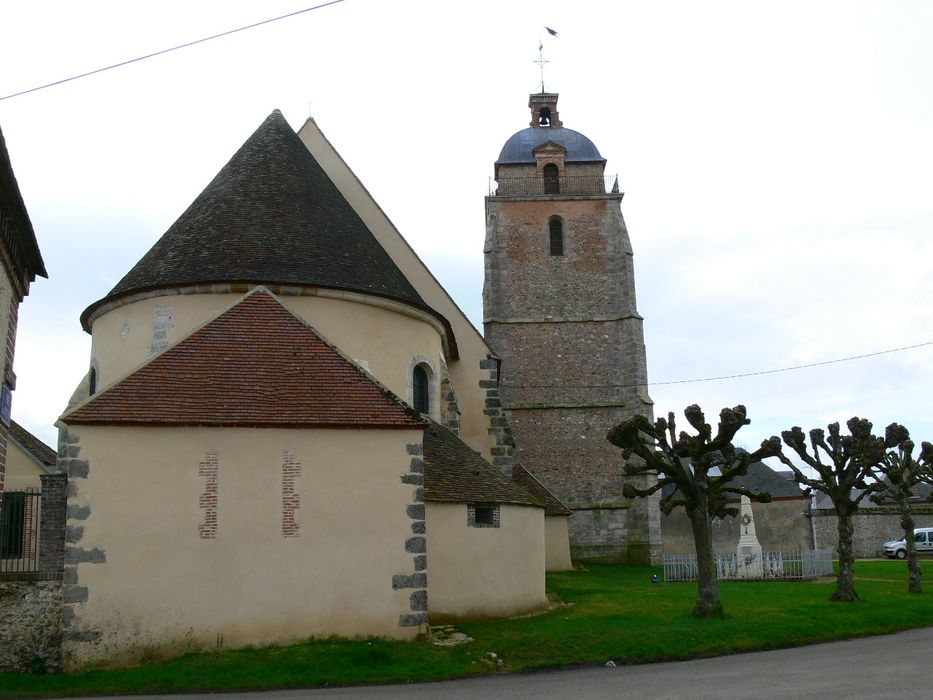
{"x": 556, "y": 235}
{"x": 482, "y": 515}
{"x": 420, "y": 389}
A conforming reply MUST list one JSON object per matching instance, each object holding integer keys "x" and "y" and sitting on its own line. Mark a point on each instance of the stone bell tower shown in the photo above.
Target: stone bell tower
{"x": 559, "y": 310}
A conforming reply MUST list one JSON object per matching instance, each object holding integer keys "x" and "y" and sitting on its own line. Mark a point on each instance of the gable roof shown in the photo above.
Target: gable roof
{"x": 20, "y": 239}
{"x": 41, "y": 452}
{"x": 552, "y": 504}
{"x": 270, "y": 216}
{"x": 760, "y": 478}
{"x": 255, "y": 365}
{"x": 453, "y": 473}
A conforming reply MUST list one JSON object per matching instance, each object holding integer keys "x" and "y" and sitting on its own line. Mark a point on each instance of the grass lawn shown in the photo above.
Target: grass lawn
{"x": 614, "y": 612}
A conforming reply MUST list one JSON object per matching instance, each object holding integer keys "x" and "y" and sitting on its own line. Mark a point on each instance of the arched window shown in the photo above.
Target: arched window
{"x": 420, "y": 396}
{"x": 92, "y": 381}
{"x": 544, "y": 116}
{"x": 556, "y": 234}
{"x": 551, "y": 179}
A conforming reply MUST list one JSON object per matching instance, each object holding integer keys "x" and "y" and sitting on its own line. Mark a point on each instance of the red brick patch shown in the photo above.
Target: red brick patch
{"x": 291, "y": 501}
{"x": 210, "y": 470}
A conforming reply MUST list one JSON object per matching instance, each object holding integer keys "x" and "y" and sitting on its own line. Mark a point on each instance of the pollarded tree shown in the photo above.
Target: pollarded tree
{"x": 899, "y": 474}
{"x": 701, "y": 469}
{"x": 849, "y": 460}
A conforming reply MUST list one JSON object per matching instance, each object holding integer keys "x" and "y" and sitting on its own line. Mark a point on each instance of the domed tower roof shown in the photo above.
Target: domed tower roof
{"x": 546, "y": 126}
{"x": 520, "y": 146}
{"x": 271, "y": 216}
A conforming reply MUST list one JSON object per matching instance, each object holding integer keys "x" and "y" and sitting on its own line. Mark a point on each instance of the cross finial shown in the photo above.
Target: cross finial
{"x": 541, "y": 61}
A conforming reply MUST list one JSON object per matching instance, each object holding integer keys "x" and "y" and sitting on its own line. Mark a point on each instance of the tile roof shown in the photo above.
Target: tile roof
{"x": 33, "y": 445}
{"x": 453, "y": 473}
{"x": 552, "y": 504}
{"x": 270, "y": 216}
{"x": 255, "y": 365}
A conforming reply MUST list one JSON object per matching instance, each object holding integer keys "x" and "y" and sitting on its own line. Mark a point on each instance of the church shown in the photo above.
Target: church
{"x": 289, "y": 429}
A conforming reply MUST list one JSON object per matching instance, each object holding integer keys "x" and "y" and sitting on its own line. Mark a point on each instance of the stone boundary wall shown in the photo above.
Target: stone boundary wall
{"x": 30, "y": 626}
{"x": 872, "y": 527}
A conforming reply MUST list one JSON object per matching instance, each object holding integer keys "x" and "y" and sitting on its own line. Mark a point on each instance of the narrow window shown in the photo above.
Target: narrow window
{"x": 92, "y": 381}
{"x": 544, "y": 116}
{"x": 551, "y": 179}
{"x": 556, "y": 231}
{"x": 419, "y": 389}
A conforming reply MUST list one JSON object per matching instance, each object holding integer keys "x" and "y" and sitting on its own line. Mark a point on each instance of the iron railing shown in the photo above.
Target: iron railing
{"x": 565, "y": 184}
{"x": 19, "y": 532}
{"x": 796, "y": 565}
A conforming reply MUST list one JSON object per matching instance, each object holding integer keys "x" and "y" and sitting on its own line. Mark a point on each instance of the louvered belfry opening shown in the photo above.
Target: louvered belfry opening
{"x": 556, "y": 231}
{"x": 551, "y": 179}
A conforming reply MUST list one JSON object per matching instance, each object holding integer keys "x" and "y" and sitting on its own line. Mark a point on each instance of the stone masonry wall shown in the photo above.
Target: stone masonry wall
{"x": 873, "y": 526}
{"x": 30, "y": 625}
{"x": 571, "y": 344}
{"x": 781, "y": 525}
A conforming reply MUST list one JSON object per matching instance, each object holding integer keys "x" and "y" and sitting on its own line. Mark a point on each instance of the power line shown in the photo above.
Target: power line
{"x": 795, "y": 367}
{"x": 731, "y": 376}
{"x": 174, "y": 48}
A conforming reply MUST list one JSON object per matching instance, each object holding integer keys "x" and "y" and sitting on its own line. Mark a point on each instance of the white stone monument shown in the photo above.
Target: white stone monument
{"x": 749, "y": 550}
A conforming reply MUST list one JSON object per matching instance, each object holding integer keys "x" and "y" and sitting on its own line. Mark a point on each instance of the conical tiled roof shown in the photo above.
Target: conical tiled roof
{"x": 255, "y": 365}
{"x": 270, "y": 216}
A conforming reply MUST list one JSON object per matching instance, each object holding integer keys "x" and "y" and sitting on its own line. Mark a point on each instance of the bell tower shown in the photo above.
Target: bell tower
{"x": 559, "y": 310}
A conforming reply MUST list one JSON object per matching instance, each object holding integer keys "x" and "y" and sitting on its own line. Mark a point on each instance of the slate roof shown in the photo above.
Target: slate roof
{"x": 552, "y": 504}
{"x": 520, "y": 146}
{"x": 33, "y": 445}
{"x": 270, "y": 216}
{"x": 453, "y": 473}
{"x": 759, "y": 479}
{"x": 255, "y": 365}
{"x": 20, "y": 239}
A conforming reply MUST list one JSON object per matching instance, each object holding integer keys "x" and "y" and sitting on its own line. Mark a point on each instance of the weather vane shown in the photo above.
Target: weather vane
{"x": 541, "y": 60}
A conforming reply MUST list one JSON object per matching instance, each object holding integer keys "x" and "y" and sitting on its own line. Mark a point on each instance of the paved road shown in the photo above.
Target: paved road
{"x": 895, "y": 666}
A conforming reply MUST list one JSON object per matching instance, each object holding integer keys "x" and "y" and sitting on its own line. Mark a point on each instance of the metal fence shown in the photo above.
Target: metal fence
{"x": 798, "y": 565}
{"x": 565, "y": 184}
{"x": 19, "y": 532}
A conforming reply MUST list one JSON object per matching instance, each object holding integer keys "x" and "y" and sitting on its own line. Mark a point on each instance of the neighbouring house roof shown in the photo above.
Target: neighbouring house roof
{"x": 760, "y": 479}
{"x": 41, "y": 452}
{"x": 552, "y": 504}
{"x": 453, "y": 473}
{"x": 271, "y": 216}
{"x": 20, "y": 239}
{"x": 255, "y": 365}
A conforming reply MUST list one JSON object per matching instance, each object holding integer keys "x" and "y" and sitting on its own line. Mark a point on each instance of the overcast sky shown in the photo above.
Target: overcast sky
{"x": 776, "y": 159}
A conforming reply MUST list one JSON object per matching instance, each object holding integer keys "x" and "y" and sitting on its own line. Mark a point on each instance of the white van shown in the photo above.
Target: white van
{"x": 897, "y": 549}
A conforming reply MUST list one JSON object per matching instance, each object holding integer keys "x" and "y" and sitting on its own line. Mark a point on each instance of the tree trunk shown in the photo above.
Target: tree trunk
{"x": 913, "y": 563}
{"x": 708, "y": 604}
{"x": 845, "y": 581}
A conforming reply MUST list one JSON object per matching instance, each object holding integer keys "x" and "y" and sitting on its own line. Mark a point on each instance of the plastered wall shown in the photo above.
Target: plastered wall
{"x": 482, "y": 572}
{"x": 194, "y": 537}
